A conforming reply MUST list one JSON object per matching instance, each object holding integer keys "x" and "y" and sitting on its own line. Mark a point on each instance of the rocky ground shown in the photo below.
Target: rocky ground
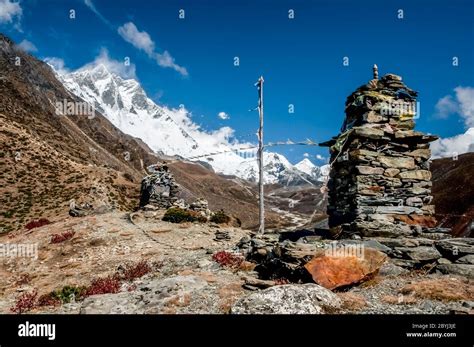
{"x": 184, "y": 278}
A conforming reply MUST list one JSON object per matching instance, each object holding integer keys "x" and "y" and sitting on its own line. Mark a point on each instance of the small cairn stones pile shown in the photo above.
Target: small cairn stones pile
{"x": 380, "y": 180}
{"x": 202, "y": 206}
{"x": 159, "y": 188}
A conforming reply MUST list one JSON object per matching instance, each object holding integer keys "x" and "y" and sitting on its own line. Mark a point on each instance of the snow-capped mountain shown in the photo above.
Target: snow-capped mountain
{"x": 277, "y": 169}
{"x": 308, "y": 167}
{"x": 316, "y": 172}
{"x": 171, "y": 131}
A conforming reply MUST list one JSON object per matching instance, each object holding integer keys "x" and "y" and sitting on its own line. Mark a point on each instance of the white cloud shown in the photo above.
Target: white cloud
{"x": 306, "y": 155}
{"x": 465, "y": 97}
{"x": 320, "y": 157}
{"x": 139, "y": 39}
{"x": 115, "y": 66}
{"x": 27, "y": 46}
{"x": 445, "y": 107}
{"x": 463, "y": 105}
{"x": 57, "y": 64}
{"x": 143, "y": 41}
{"x": 166, "y": 60}
{"x": 94, "y": 9}
{"x": 223, "y": 115}
{"x": 450, "y": 146}
{"x": 10, "y": 11}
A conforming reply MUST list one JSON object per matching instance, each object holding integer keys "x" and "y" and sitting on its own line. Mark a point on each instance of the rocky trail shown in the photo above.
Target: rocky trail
{"x": 183, "y": 276}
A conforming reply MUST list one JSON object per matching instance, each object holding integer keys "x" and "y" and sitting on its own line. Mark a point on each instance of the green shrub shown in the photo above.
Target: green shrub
{"x": 66, "y": 293}
{"x": 179, "y": 215}
{"x": 220, "y": 217}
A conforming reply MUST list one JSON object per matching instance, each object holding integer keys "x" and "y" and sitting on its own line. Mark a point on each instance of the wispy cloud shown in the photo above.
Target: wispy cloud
{"x": 103, "y": 58}
{"x": 223, "y": 115}
{"x": 445, "y": 107}
{"x": 139, "y": 39}
{"x": 11, "y": 13}
{"x": 115, "y": 66}
{"x": 27, "y": 46}
{"x": 94, "y": 9}
{"x": 57, "y": 64}
{"x": 143, "y": 41}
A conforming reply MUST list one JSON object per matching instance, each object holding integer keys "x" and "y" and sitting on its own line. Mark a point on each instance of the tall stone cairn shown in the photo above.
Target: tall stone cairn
{"x": 380, "y": 182}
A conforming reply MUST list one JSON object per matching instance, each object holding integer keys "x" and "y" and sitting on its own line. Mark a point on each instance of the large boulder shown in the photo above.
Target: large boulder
{"x": 464, "y": 270}
{"x": 342, "y": 270}
{"x": 456, "y": 248}
{"x": 420, "y": 254}
{"x": 187, "y": 294}
{"x": 288, "y": 299}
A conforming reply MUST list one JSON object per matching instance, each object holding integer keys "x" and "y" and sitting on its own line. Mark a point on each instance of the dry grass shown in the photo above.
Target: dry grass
{"x": 372, "y": 281}
{"x": 352, "y": 301}
{"x": 247, "y": 266}
{"x": 175, "y": 302}
{"x": 399, "y": 300}
{"x": 228, "y": 295}
{"x": 443, "y": 289}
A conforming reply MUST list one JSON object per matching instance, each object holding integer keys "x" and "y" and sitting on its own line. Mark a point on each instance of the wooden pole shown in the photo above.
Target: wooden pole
{"x": 261, "y": 228}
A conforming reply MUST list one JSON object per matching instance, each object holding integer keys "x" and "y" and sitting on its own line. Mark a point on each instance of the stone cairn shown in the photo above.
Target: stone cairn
{"x": 379, "y": 198}
{"x": 159, "y": 189}
{"x": 379, "y": 181}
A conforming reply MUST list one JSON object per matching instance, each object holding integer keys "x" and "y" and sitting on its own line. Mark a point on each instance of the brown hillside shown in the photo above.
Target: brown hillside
{"x": 453, "y": 191}
{"x": 49, "y": 159}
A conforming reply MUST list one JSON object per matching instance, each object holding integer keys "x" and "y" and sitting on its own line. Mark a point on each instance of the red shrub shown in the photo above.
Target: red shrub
{"x": 48, "y": 300}
{"x": 227, "y": 259}
{"x": 281, "y": 281}
{"x": 57, "y": 238}
{"x": 132, "y": 272}
{"x": 106, "y": 285}
{"x": 37, "y": 223}
{"x": 25, "y": 303}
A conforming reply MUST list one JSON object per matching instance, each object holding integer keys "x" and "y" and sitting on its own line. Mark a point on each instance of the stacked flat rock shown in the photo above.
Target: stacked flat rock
{"x": 202, "y": 206}
{"x": 159, "y": 188}
{"x": 380, "y": 182}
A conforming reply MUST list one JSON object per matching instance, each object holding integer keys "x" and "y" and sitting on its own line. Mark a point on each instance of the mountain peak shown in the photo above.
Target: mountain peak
{"x": 97, "y": 72}
{"x": 306, "y": 166}
{"x": 306, "y": 163}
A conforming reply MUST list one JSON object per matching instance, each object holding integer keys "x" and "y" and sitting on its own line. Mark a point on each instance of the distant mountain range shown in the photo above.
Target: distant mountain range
{"x": 172, "y": 132}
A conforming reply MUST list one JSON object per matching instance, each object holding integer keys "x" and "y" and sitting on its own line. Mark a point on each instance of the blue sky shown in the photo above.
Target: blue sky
{"x": 301, "y": 59}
